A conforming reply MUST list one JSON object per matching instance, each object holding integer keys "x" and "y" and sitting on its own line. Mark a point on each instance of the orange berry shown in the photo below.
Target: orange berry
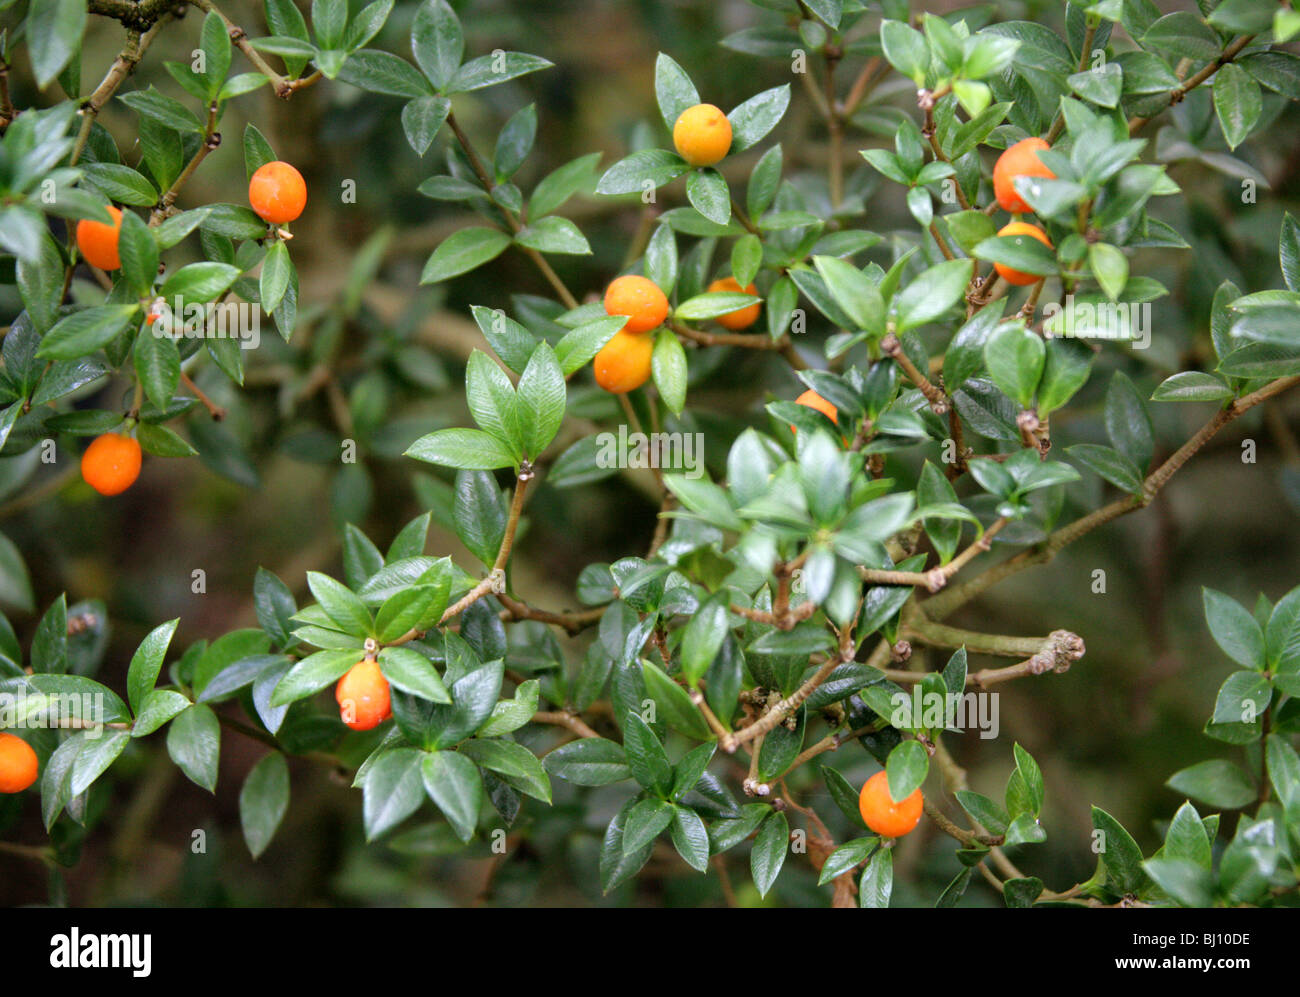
{"x": 98, "y": 242}
{"x": 811, "y": 399}
{"x": 882, "y": 814}
{"x": 623, "y": 364}
{"x": 1019, "y": 277}
{"x": 277, "y": 192}
{"x": 363, "y": 696}
{"x": 640, "y": 299}
{"x": 1019, "y": 160}
{"x": 18, "y": 764}
{"x": 741, "y": 318}
{"x": 702, "y": 135}
{"x": 111, "y": 463}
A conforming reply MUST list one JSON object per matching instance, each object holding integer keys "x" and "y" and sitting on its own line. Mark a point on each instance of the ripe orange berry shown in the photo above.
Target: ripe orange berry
{"x": 640, "y": 299}
{"x": 623, "y": 364}
{"x": 111, "y": 463}
{"x": 98, "y": 242}
{"x": 811, "y": 399}
{"x": 277, "y": 192}
{"x": 882, "y": 814}
{"x": 1019, "y": 277}
{"x": 741, "y": 318}
{"x": 18, "y": 764}
{"x": 1019, "y": 160}
{"x": 363, "y": 696}
{"x": 702, "y": 135}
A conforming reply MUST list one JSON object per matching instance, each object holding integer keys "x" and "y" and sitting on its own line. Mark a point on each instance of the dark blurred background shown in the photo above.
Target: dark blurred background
{"x": 1109, "y": 732}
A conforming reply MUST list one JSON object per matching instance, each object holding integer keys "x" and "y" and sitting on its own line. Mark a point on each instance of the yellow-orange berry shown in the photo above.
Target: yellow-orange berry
{"x": 111, "y": 463}
{"x": 98, "y": 241}
{"x": 882, "y": 814}
{"x": 702, "y": 135}
{"x": 277, "y": 192}
{"x": 640, "y": 299}
{"x": 1019, "y": 277}
{"x": 623, "y": 364}
{"x": 363, "y": 696}
{"x": 1019, "y": 160}
{"x": 18, "y": 764}
{"x": 741, "y": 318}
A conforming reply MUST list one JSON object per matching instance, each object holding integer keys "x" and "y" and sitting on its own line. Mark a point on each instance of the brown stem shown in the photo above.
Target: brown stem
{"x": 1136, "y": 123}
{"x": 893, "y": 348}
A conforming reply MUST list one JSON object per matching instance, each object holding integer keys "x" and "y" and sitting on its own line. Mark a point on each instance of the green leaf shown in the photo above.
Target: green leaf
{"x": 462, "y": 252}
{"x": 437, "y": 41}
{"x": 382, "y": 72}
{"x": 470, "y": 449}
{"x": 691, "y": 838}
{"x": 1282, "y": 635}
{"x": 668, "y": 365}
{"x": 456, "y": 788}
{"x": 194, "y": 744}
{"x": 263, "y": 802}
{"x": 341, "y": 604}
{"x": 489, "y": 70}
{"x": 907, "y": 768}
{"x": 85, "y": 331}
{"x": 770, "y": 847}
{"x": 707, "y": 191}
{"x": 645, "y": 755}
{"x": 515, "y": 763}
{"x": 1015, "y": 357}
{"x": 674, "y": 703}
{"x": 422, "y": 119}
{"x": 94, "y": 758}
{"x": 54, "y": 29}
{"x": 412, "y": 672}
{"x": 1217, "y": 782}
{"x": 906, "y": 49}
{"x": 1192, "y": 386}
{"x": 158, "y": 707}
{"x": 752, "y": 120}
{"x": 313, "y": 673}
{"x": 511, "y": 714}
{"x": 642, "y": 171}
{"x": 276, "y": 271}
{"x": 554, "y": 235}
{"x": 845, "y": 858}
{"x": 165, "y": 110}
{"x": 541, "y": 394}
{"x": 1238, "y": 103}
{"x": 1234, "y": 629}
{"x": 199, "y": 282}
{"x": 674, "y": 90}
{"x": 589, "y": 761}
{"x": 1110, "y": 464}
{"x": 1187, "y": 883}
{"x": 158, "y": 365}
{"x": 393, "y": 790}
{"x": 646, "y": 821}
{"x": 877, "y": 882}
{"x": 853, "y": 291}
{"x": 931, "y": 294}
{"x": 561, "y": 184}
{"x": 147, "y": 662}
{"x": 1110, "y": 266}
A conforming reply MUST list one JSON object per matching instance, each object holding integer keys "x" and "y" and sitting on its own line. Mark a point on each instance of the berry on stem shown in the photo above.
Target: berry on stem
{"x": 741, "y": 318}
{"x": 1019, "y": 277}
{"x": 97, "y": 241}
{"x": 882, "y": 814}
{"x": 111, "y": 463}
{"x": 640, "y": 299}
{"x": 623, "y": 364}
{"x": 19, "y": 766}
{"x": 277, "y": 192}
{"x": 702, "y": 135}
{"x": 1019, "y": 160}
{"x": 363, "y": 696}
